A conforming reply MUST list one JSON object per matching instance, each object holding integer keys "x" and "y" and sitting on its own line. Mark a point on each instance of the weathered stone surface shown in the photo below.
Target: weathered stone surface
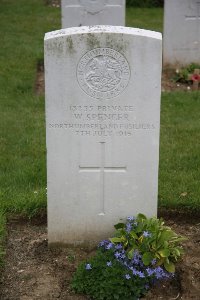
{"x": 92, "y": 12}
{"x": 181, "y": 32}
{"x": 102, "y": 120}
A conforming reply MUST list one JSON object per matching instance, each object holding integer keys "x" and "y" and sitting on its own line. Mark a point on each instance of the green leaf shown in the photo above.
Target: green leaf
{"x": 166, "y": 244}
{"x": 119, "y": 226}
{"x": 179, "y": 239}
{"x": 170, "y": 267}
{"x": 164, "y": 252}
{"x": 126, "y": 243}
{"x": 147, "y": 258}
{"x": 180, "y": 249}
{"x": 141, "y": 216}
{"x": 133, "y": 234}
{"x": 166, "y": 236}
{"x": 130, "y": 253}
{"x": 160, "y": 261}
{"x": 116, "y": 239}
{"x": 177, "y": 252}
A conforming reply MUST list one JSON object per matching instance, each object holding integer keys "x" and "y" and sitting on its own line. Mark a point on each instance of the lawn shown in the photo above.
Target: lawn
{"x": 179, "y": 172}
{"x": 22, "y": 132}
{"x": 146, "y": 18}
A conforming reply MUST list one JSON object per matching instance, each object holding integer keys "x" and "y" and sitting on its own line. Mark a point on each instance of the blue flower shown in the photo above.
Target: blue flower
{"x": 118, "y": 246}
{"x": 130, "y": 218}
{"x": 125, "y": 264}
{"x": 128, "y": 227}
{"x": 88, "y": 267}
{"x": 140, "y": 274}
{"x": 146, "y": 234}
{"x": 103, "y": 243}
{"x": 134, "y": 271}
{"x": 117, "y": 254}
{"x": 109, "y": 263}
{"x": 127, "y": 276}
{"x": 136, "y": 258}
{"x": 150, "y": 271}
{"x": 109, "y": 246}
{"x": 162, "y": 274}
{"x": 153, "y": 262}
{"x": 123, "y": 256}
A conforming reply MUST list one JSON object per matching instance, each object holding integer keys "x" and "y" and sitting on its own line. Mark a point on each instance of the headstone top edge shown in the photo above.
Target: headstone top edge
{"x": 102, "y": 29}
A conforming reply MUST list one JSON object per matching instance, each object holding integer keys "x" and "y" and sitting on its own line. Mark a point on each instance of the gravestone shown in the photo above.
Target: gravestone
{"x": 102, "y": 129}
{"x": 181, "y": 32}
{"x": 92, "y": 12}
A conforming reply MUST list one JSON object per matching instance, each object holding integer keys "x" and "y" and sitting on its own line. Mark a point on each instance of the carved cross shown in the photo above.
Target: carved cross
{"x": 102, "y": 169}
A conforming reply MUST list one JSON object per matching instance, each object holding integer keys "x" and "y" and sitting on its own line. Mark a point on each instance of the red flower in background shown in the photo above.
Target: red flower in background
{"x": 195, "y": 77}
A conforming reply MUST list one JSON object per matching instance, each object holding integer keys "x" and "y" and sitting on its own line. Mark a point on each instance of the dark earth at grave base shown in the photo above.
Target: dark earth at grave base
{"x": 33, "y": 271}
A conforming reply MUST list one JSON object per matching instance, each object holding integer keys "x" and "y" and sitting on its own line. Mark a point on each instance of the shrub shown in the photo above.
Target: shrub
{"x": 142, "y": 252}
{"x": 182, "y": 74}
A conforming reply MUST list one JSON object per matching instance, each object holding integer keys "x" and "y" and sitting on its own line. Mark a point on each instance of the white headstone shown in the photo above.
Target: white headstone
{"x": 92, "y": 12}
{"x": 102, "y": 120}
{"x": 181, "y": 32}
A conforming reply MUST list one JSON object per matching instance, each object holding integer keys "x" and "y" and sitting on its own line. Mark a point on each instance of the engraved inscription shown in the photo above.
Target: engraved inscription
{"x": 103, "y": 121}
{"x": 103, "y": 73}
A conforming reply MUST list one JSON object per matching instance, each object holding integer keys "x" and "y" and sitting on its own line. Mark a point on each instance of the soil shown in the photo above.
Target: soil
{"x": 54, "y": 3}
{"x": 33, "y": 271}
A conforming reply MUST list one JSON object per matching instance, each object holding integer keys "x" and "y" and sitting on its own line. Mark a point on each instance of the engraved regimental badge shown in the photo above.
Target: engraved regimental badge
{"x": 93, "y": 6}
{"x": 103, "y": 73}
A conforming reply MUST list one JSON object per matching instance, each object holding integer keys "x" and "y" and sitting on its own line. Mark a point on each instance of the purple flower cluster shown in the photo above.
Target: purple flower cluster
{"x": 128, "y": 227}
{"x": 106, "y": 244}
{"x": 135, "y": 266}
{"x": 146, "y": 234}
{"x": 131, "y": 223}
{"x": 88, "y": 267}
{"x": 127, "y": 276}
{"x": 130, "y": 218}
{"x": 109, "y": 263}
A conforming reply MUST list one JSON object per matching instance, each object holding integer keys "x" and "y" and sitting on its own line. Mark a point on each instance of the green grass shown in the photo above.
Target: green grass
{"x": 146, "y": 18}
{"x": 179, "y": 175}
{"x": 23, "y": 170}
{"x": 22, "y": 127}
{"x": 22, "y": 132}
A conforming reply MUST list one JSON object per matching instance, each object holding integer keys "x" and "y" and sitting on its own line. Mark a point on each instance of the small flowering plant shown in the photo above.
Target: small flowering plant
{"x": 187, "y": 74}
{"x": 152, "y": 239}
{"x": 142, "y": 252}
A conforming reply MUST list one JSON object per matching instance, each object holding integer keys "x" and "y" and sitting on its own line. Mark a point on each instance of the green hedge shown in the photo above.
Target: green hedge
{"x": 145, "y": 3}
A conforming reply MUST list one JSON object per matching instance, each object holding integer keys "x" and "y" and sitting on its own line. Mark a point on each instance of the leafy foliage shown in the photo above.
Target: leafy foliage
{"x": 105, "y": 279}
{"x": 183, "y": 74}
{"x": 142, "y": 252}
{"x": 151, "y": 239}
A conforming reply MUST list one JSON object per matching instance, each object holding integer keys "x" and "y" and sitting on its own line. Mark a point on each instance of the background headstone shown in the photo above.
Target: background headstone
{"x": 92, "y": 12}
{"x": 181, "y": 32}
{"x": 102, "y": 128}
